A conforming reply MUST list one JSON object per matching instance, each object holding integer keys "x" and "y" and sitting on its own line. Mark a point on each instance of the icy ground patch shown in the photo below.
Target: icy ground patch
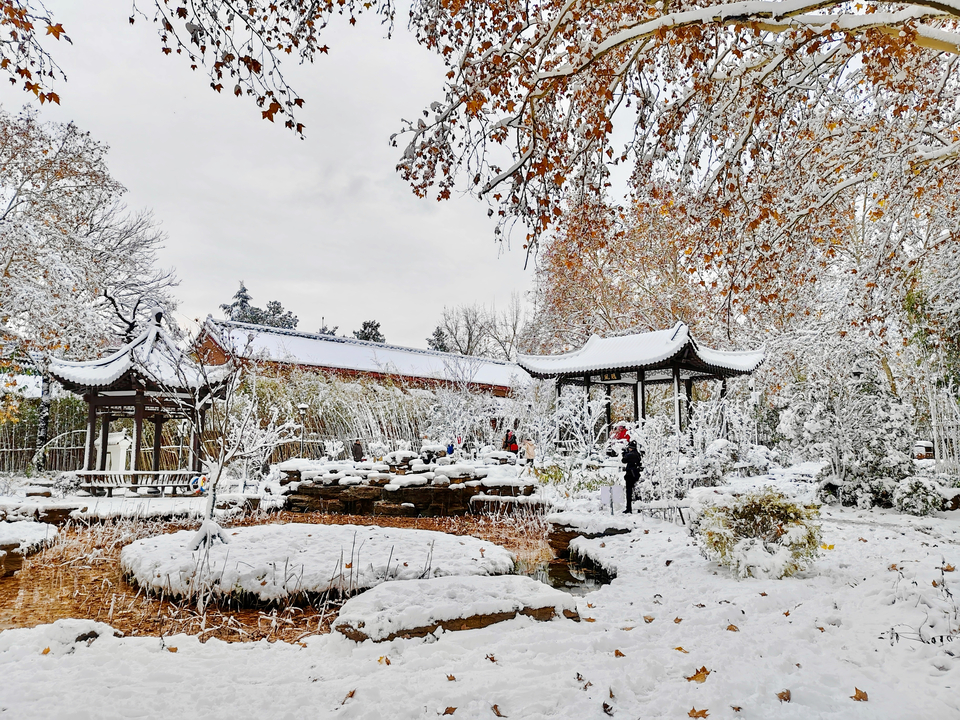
{"x": 272, "y": 562}
{"x": 399, "y": 608}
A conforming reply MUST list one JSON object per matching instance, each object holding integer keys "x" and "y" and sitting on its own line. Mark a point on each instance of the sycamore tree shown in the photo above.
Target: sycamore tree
{"x": 764, "y": 126}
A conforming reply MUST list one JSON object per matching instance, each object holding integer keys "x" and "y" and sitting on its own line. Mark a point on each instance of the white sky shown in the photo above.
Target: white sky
{"x": 324, "y": 225}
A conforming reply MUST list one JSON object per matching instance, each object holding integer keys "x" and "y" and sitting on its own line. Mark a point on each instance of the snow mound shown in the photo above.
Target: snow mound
{"x": 268, "y": 563}
{"x": 593, "y": 523}
{"x": 57, "y": 639}
{"x": 29, "y": 536}
{"x": 414, "y": 608}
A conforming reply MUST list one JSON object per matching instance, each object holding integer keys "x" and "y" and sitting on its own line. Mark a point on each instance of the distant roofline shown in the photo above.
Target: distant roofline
{"x": 353, "y": 341}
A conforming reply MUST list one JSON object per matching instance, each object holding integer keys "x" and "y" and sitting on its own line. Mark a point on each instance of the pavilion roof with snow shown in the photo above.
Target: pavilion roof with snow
{"x": 656, "y": 354}
{"x": 651, "y": 358}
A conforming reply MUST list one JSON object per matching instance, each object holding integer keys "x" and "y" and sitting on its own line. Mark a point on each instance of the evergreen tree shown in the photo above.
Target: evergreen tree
{"x": 438, "y": 341}
{"x": 241, "y": 310}
{"x": 370, "y": 330}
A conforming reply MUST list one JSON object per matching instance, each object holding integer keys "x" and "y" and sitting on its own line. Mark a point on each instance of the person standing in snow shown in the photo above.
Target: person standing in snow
{"x": 633, "y": 460}
{"x": 510, "y": 442}
{"x": 357, "y": 451}
{"x": 529, "y": 453}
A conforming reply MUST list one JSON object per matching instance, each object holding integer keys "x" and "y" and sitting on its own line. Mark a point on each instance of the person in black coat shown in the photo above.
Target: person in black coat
{"x": 357, "y": 451}
{"x": 633, "y": 460}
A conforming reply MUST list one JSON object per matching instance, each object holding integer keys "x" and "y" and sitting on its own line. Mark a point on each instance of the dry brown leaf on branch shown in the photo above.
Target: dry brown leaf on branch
{"x": 694, "y": 713}
{"x": 859, "y": 695}
{"x": 784, "y": 696}
{"x": 648, "y": 619}
{"x": 349, "y": 695}
{"x": 733, "y": 628}
{"x": 617, "y": 653}
{"x": 700, "y": 675}
{"x": 449, "y": 711}
{"x": 451, "y": 678}
{"x": 680, "y": 649}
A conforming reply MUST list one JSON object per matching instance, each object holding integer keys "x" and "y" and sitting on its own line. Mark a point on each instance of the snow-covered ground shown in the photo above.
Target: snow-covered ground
{"x": 866, "y": 616}
{"x": 28, "y": 536}
{"x": 272, "y": 562}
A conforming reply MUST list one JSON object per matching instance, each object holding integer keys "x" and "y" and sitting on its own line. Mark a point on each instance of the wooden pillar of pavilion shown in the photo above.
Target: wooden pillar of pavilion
{"x": 105, "y": 420}
{"x": 137, "y": 436}
{"x": 636, "y": 404}
{"x": 88, "y": 450}
{"x": 676, "y": 399}
{"x": 688, "y": 393}
{"x": 643, "y": 394}
{"x": 609, "y": 406}
{"x": 157, "y": 438}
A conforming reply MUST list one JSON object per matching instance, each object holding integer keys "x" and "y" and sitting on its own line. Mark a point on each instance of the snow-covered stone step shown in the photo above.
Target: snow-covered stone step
{"x": 21, "y": 538}
{"x": 415, "y": 608}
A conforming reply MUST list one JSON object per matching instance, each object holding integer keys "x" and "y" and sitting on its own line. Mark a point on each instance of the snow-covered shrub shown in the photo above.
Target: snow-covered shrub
{"x": 66, "y": 483}
{"x": 918, "y": 496}
{"x": 760, "y": 534}
{"x": 856, "y": 424}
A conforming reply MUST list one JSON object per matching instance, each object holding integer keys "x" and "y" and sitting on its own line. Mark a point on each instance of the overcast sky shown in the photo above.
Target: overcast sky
{"x": 324, "y": 225}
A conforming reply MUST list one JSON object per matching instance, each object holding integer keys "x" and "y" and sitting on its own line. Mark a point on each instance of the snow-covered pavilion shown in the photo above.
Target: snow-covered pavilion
{"x": 151, "y": 380}
{"x": 651, "y": 358}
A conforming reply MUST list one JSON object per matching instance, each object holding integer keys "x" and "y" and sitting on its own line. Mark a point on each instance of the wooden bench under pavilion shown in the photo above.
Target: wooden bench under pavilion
{"x": 652, "y": 358}
{"x": 149, "y": 380}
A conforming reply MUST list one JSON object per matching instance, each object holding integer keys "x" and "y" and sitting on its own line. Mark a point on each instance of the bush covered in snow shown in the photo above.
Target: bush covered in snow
{"x": 761, "y": 534}
{"x": 918, "y": 496}
{"x": 858, "y": 425}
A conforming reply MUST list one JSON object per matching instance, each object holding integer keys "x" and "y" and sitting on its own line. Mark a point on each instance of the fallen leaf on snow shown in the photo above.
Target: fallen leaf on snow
{"x": 607, "y": 709}
{"x": 820, "y": 629}
{"x": 827, "y": 547}
{"x": 45, "y": 651}
{"x": 733, "y": 628}
{"x": 384, "y": 660}
{"x": 862, "y": 539}
{"x": 859, "y": 695}
{"x": 934, "y": 583}
{"x": 451, "y": 678}
{"x": 700, "y": 675}
{"x": 763, "y": 594}
{"x": 668, "y": 562}
{"x": 784, "y": 696}
{"x": 349, "y": 695}
{"x": 491, "y": 658}
{"x": 589, "y": 620}
{"x": 611, "y": 693}
{"x": 648, "y": 619}
{"x": 628, "y": 628}
{"x": 591, "y": 605}
{"x": 617, "y": 653}
{"x": 700, "y": 605}
{"x": 172, "y": 649}
{"x": 678, "y": 620}
{"x": 496, "y": 711}
{"x": 603, "y": 544}
{"x": 736, "y": 708}
{"x": 786, "y": 613}
{"x": 680, "y": 649}
{"x": 948, "y": 568}
{"x": 694, "y": 713}
{"x": 894, "y": 566}
{"x": 449, "y": 711}
{"x": 646, "y": 532}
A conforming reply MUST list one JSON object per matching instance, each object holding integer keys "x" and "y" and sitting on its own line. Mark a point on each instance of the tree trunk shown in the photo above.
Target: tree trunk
{"x": 43, "y": 424}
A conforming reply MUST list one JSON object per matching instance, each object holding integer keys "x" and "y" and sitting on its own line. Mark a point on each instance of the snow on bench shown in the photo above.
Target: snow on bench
{"x": 268, "y": 563}
{"x": 416, "y": 608}
{"x": 93, "y": 480}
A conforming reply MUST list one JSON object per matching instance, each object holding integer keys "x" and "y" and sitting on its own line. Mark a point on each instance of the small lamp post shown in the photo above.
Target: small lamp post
{"x": 302, "y": 407}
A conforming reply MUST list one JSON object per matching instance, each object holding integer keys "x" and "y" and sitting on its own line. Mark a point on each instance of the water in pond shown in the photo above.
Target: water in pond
{"x": 570, "y": 576}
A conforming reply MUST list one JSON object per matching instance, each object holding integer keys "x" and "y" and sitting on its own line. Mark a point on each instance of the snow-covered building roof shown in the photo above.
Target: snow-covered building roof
{"x": 352, "y": 356}
{"x": 655, "y": 353}
{"x": 151, "y": 358}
